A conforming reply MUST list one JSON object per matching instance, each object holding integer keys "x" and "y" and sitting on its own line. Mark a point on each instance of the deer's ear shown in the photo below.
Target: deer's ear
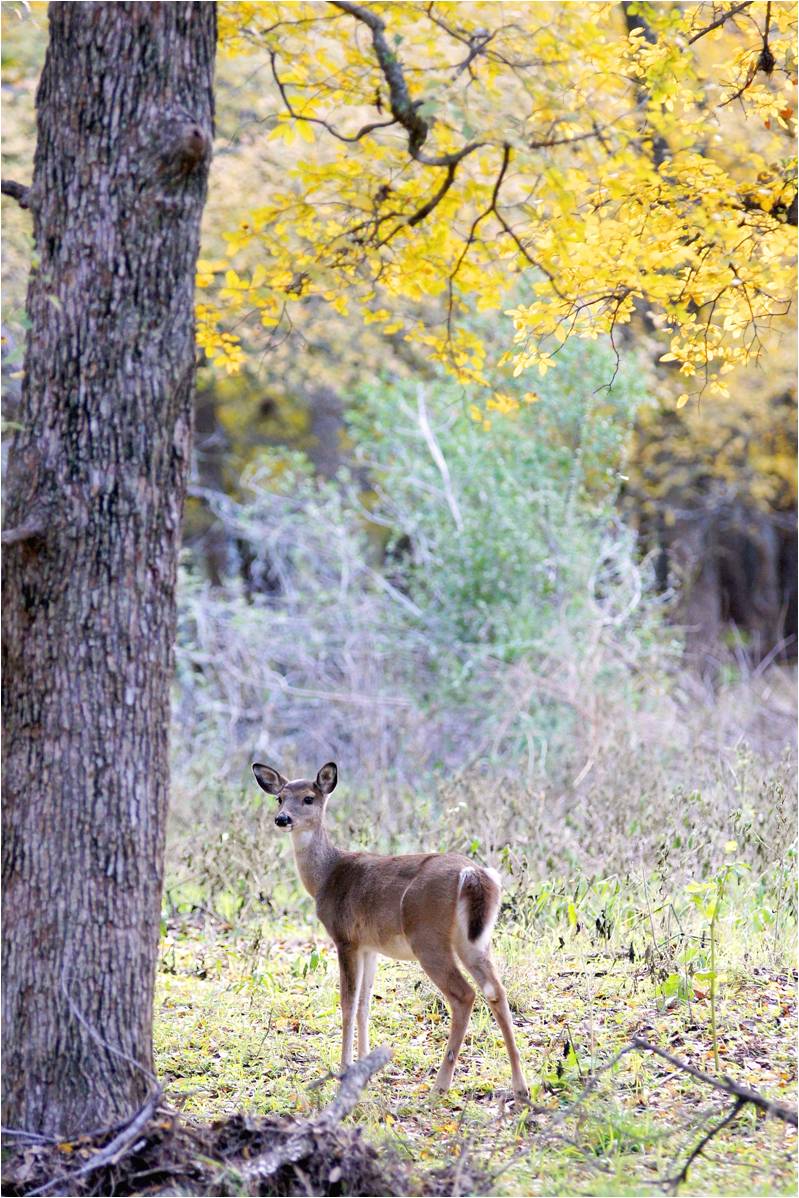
{"x": 327, "y": 778}
{"x": 268, "y": 779}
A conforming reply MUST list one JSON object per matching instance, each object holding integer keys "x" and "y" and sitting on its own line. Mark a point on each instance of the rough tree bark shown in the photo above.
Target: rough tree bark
{"x": 94, "y": 494}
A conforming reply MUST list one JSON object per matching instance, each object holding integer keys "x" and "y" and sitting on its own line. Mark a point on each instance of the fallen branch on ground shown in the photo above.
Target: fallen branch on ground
{"x": 255, "y": 1155}
{"x": 113, "y": 1152}
{"x": 302, "y": 1143}
{"x": 742, "y": 1093}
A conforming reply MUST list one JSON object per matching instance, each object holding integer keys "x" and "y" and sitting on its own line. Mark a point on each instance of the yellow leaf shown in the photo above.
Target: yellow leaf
{"x": 284, "y": 131}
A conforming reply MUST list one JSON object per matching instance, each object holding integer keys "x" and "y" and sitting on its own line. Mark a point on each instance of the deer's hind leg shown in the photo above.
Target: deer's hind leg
{"x": 438, "y": 961}
{"x": 479, "y": 964}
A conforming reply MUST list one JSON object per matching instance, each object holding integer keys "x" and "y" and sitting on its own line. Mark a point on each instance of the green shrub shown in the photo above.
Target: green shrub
{"x": 451, "y": 600}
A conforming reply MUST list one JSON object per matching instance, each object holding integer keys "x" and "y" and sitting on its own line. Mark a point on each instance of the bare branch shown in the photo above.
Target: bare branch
{"x": 733, "y": 1113}
{"x": 27, "y": 531}
{"x": 301, "y": 1144}
{"x": 726, "y": 1084}
{"x": 741, "y": 1095}
{"x": 116, "y": 1149}
{"x": 17, "y": 191}
{"x": 438, "y": 457}
{"x": 352, "y": 1083}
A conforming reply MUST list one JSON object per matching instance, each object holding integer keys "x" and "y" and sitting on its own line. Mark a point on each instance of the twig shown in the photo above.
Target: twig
{"x": 741, "y": 1095}
{"x": 312, "y": 120}
{"x": 682, "y": 1176}
{"x": 592, "y": 1084}
{"x": 98, "y": 1039}
{"x": 326, "y": 1077}
{"x": 435, "y": 199}
{"x": 21, "y": 1134}
{"x": 726, "y": 1084}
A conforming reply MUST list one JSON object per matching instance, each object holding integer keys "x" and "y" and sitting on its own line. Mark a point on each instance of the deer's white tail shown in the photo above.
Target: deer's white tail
{"x": 479, "y": 892}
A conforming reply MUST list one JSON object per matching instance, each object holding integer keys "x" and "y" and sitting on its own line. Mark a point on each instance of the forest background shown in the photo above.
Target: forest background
{"x": 542, "y": 615}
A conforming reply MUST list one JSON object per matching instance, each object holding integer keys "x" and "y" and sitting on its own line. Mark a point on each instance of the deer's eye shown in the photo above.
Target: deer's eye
{"x": 308, "y": 799}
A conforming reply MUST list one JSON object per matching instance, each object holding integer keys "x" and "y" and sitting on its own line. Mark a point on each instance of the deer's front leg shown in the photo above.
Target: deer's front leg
{"x": 350, "y": 969}
{"x": 364, "y": 997}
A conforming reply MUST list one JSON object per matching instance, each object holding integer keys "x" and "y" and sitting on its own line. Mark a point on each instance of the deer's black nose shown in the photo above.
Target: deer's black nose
{"x": 283, "y": 820}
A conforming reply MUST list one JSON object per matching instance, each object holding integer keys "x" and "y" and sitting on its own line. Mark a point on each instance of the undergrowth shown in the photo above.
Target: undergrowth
{"x": 247, "y": 1010}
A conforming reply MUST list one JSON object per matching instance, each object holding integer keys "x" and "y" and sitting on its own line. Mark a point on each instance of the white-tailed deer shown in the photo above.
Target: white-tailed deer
{"x": 435, "y": 908}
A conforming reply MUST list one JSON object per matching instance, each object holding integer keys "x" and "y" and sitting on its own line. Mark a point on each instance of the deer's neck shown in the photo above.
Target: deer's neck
{"x": 315, "y": 856}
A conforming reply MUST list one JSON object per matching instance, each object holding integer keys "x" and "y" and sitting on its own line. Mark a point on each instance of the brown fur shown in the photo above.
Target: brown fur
{"x": 432, "y": 907}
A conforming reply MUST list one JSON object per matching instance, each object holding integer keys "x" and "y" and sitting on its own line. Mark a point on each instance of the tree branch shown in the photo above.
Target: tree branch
{"x": 733, "y": 1113}
{"x": 740, "y": 1094}
{"x": 314, "y": 120}
{"x": 403, "y": 108}
{"x": 33, "y": 527}
{"x": 17, "y": 191}
{"x": 492, "y": 207}
{"x": 352, "y": 1083}
{"x": 733, "y": 12}
{"x": 116, "y": 1149}
{"x": 726, "y": 1084}
{"x": 434, "y": 200}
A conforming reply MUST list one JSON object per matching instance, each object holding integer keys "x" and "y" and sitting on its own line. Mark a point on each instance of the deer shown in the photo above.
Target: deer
{"x": 435, "y": 908}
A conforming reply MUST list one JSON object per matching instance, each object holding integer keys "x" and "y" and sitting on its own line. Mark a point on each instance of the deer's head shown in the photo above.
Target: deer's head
{"x": 301, "y": 804}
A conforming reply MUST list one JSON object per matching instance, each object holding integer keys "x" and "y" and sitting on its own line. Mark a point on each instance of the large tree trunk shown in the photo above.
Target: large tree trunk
{"x": 95, "y": 488}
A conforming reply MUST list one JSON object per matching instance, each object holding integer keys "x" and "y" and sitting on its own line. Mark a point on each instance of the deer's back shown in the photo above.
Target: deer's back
{"x": 361, "y": 901}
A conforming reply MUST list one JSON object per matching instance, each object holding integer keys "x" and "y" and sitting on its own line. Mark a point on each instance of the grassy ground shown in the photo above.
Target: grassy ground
{"x": 247, "y": 1018}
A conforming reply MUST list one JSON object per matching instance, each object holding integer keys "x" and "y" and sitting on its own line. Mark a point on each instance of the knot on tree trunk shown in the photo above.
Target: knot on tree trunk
{"x": 184, "y": 148}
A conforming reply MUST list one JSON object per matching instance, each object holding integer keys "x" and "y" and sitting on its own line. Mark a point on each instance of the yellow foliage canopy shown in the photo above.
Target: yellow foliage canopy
{"x": 632, "y": 158}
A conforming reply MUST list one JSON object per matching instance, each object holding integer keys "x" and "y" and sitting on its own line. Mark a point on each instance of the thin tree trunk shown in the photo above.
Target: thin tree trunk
{"x": 95, "y": 487}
